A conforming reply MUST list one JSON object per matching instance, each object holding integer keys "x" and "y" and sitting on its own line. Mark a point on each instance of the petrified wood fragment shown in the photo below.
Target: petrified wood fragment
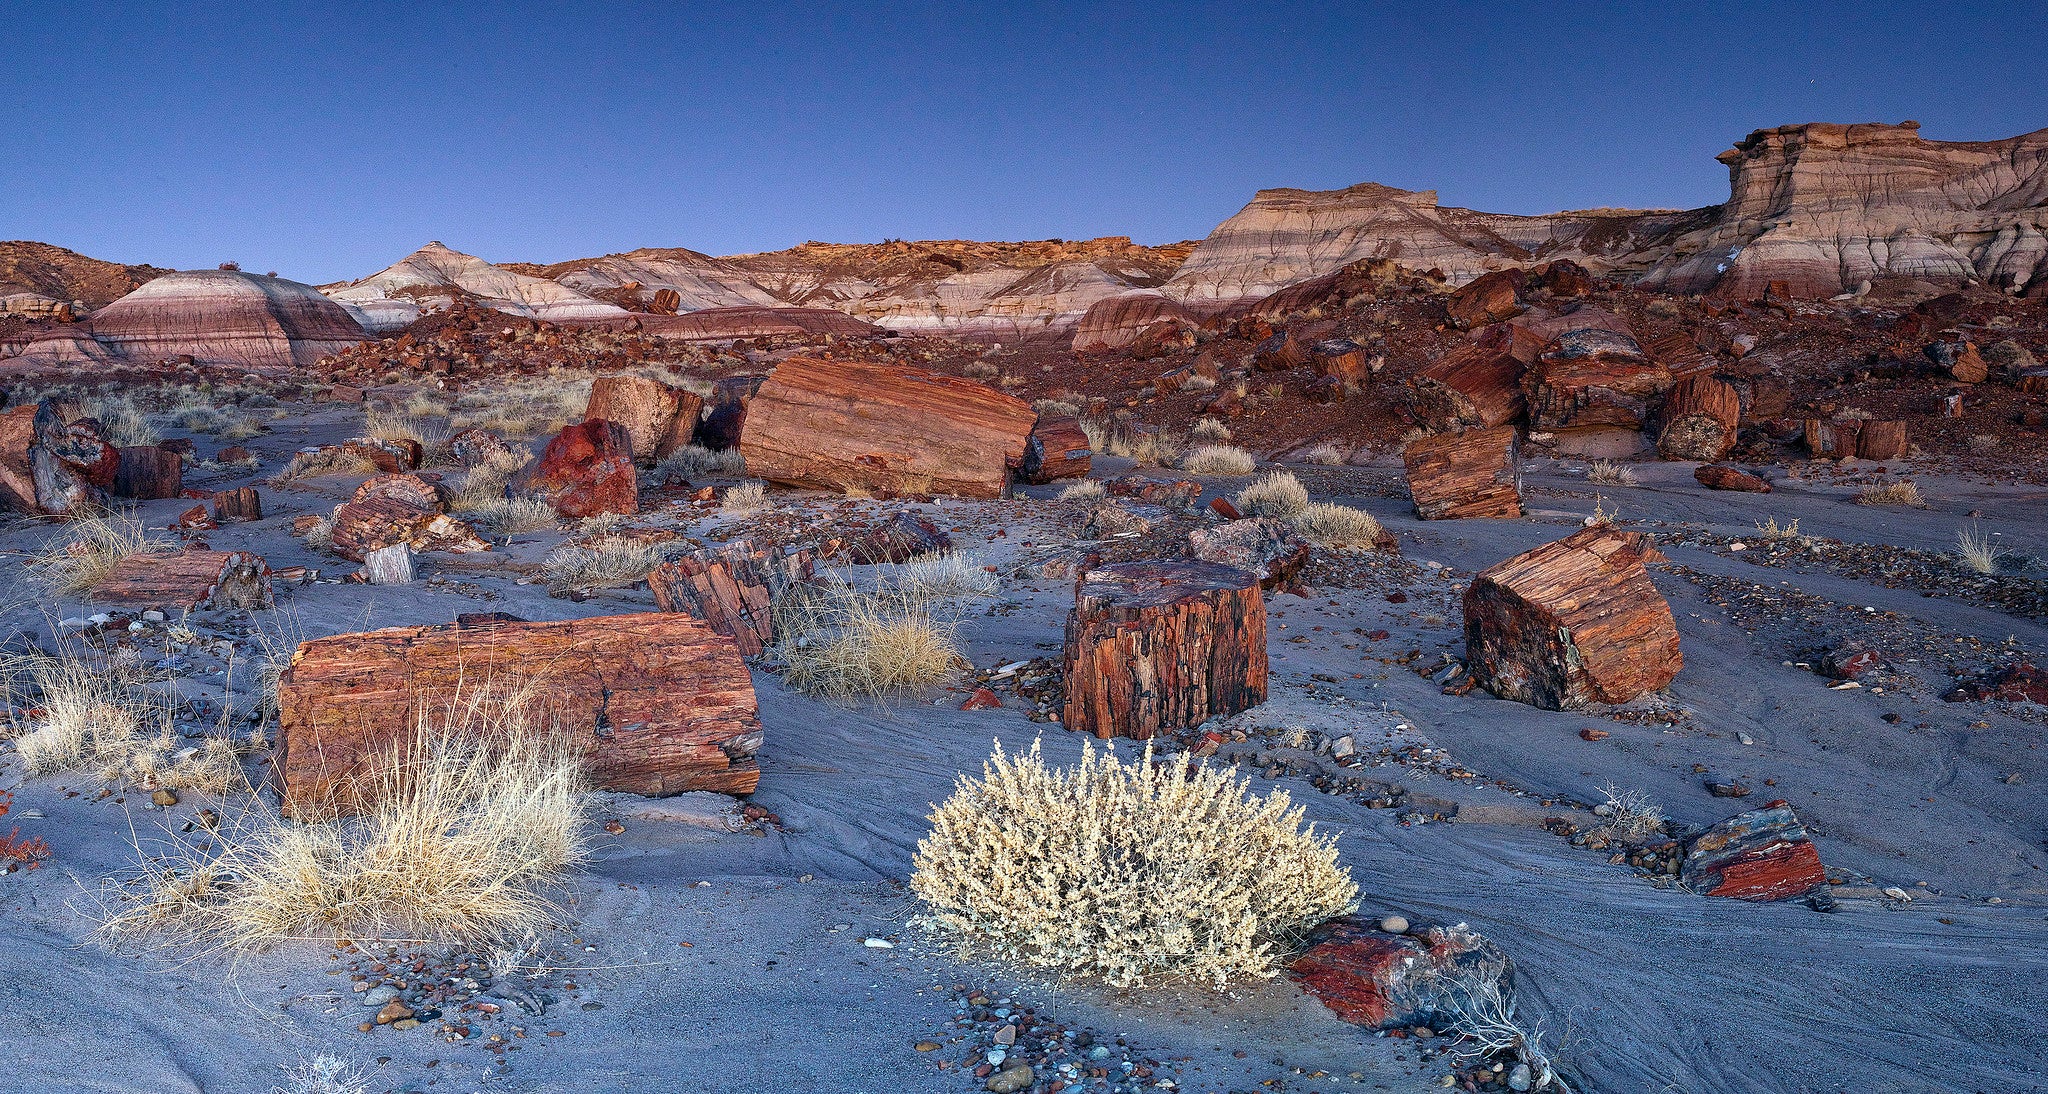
{"x": 150, "y": 473}
{"x": 1153, "y": 647}
{"x": 587, "y": 469}
{"x": 187, "y": 581}
{"x": 1471, "y": 473}
{"x": 1882, "y": 441}
{"x": 658, "y": 417}
{"x": 1700, "y": 416}
{"x": 1572, "y": 622}
{"x": 732, "y": 588}
{"x": 656, "y": 703}
{"x": 1478, "y": 383}
{"x": 393, "y": 509}
{"x": 1057, "y": 449}
{"x": 239, "y": 503}
{"x": 1764, "y": 854}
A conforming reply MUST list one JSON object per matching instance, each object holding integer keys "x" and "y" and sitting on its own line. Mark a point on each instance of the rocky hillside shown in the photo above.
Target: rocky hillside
{"x": 29, "y": 269}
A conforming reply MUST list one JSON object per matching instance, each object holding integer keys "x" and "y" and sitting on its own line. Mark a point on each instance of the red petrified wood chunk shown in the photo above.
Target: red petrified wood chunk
{"x": 1720, "y": 476}
{"x": 187, "y": 581}
{"x": 1264, "y": 546}
{"x": 1764, "y": 854}
{"x": 1153, "y": 647}
{"x": 657, "y": 703}
{"x": 733, "y": 588}
{"x": 587, "y": 469}
{"x": 1571, "y": 623}
{"x": 150, "y": 473}
{"x": 659, "y": 418}
{"x": 1379, "y": 980}
{"x": 392, "y": 509}
{"x": 1472, "y": 473}
{"x": 1057, "y": 449}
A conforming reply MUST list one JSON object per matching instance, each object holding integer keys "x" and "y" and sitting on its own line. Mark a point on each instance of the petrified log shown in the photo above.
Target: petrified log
{"x": 1700, "y": 417}
{"x": 1720, "y": 476}
{"x": 1764, "y": 854}
{"x": 1959, "y": 359}
{"x": 1279, "y": 353}
{"x": 1266, "y": 547}
{"x": 477, "y": 446}
{"x": 682, "y": 429}
{"x": 898, "y": 538}
{"x": 1590, "y": 379}
{"x": 187, "y": 581}
{"x": 80, "y": 447}
{"x": 388, "y": 565}
{"x": 887, "y": 429}
{"x": 1882, "y": 440}
{"x": 391, "y": 455}
{"x": 732, "y": 588}
{"x": 665, "y": 302}
{"x": 656, "y": 416}
{"x": 1479, "y": 383}
{"x": 1153, "y": 647}
{"x": 150, "y": 472}
{"x": 587, "y": 469}
{"x": 1489, "y": 298}
{"x": 657, "y": 703}
{"x": 239, "y": 503}
{"x": 392, "y": 509}
{"x": 1371, "y": 978}
{"x": 1472, "y": 473}
{"x": 1057, "y": 449}
{"x": 1571, "y": 622}
{"x": 721, "y": 427}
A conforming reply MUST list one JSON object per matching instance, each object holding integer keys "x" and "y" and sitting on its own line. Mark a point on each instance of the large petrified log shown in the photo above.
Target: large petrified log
{"x": 887, "y": 429}
{"x": 1764, "y": 854}
{"x": 657, "y": 703}
{"x": 1571, "y": 622}
{"x": 1700, "y": 416}
{"x": 392, "y": 509}
{"x": 1479, "y": 383}
{"x": 1057, "y": 449}
{"x": 1593, "y": 378}
{"x": 898, "y": 537}
{"x": 732, "y": 588}
{"x": 150, "y": 472}
{"x": 659, "y": 418}
{"x": 1488, "y": 298}
{"x": 186, "y": 581}
{"x": 1471, "y": 473}
{"x": 48, "y": 467}
{"x": 1153, "y": 647}
{"x": 587, "y": 469}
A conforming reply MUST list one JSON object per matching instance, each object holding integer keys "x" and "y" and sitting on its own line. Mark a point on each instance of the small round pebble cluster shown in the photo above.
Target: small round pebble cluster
{"x": 1009, "y": 1048}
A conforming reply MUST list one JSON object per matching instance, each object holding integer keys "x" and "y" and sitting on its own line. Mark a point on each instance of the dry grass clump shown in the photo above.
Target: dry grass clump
{"x": 98, "y": 715}
{"x": 1218, "y": 459}
{"x": 1274, "y": 494}
{"x": 1085, "y": 490}
{"x": 526, "y": 406}
{"x": 744, "y": 500}
{"x": 945, "y": 576}
{"x": 123, "y": 424}
{"x": 1325, "y": 454}
{"x": 606, "y": 562}
{"x": 1611, "y": 473}
{"x": 326, "y": 460}
{"x": 1056, "y": 408}
{"x": 512, "y": 516}
{"x": 1480, "y": 1013}
{"x": 487, "y": 483}
{"x": 694, "y": 461}
{"x": 1976, "y": 552}
{"x": 385, "y": 425}
{"x": 1769, "y": 528}
{"x": 229, "y": 423}
{"x": 83, "y": 552}
{"x": 1631, "y": 816}
{"x": 1157, "y": 449}
{"x": 1096, "y": 432}
{"x": 472, "y": 819}
{"x": 1210, "y": 429}
{"x": 1331, "y": 525}
{"x": 847, "y": 643}
{"x": 1199, "y": 383}
{"x": 323, "y": 1074}
{"x": 1904, "y": 492}
{"x": 1133, "y": 873}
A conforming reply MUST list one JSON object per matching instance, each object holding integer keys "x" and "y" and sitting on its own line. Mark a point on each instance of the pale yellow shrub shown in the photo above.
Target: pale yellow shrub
{"x": 1903, "y": 492}
{"x": 1274, "y": 494}
{"x": 1218, "y": 459}
{"x": 1085, "y": 490}
{"x": 1131, "y": 873}
{"x": 1210, "y": 429}
{"x": 1332, "y": 525}
{"x": 845, "y": 643}
{"x": 605, "y": 562}
{"x": 744, "y": 500}
{"x": 1611, "y": 473}
{"x": 78, "y": 555}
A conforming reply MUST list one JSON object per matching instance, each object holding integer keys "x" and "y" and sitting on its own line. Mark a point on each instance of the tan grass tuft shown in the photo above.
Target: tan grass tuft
{"x": 1274, "y": 494}
{"x": 1218, "y": 459}
{"x": 1085, "y": 490}
{"x": 1904, "y": 492}
{"x": 846, "y": 643}
{"x": 1332, "y": 525}
{"x": 1210, "y": 429}
{"x": 1611, "y": 473}
{"x": 696, "y": 462}
{"x": 79, "y": 554}
{"x": 606, "y": 562}
{"x": 745, "y": 500}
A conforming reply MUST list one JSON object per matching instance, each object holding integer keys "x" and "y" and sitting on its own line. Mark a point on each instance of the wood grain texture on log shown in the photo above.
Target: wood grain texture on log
{"x": 733, "y": 588}
{"x": 585, "y": 470}
{"x": 656, "y": 703}
{"x": 150, "y": 473}
{"x": 1700, "y": 416}
{"x": 1057, "y": 449}
{"x": 1572, "y": 622}
{"x": 658, "y": 417}
{"x": 392, "y": 509}
{"x": 1478, "y": 383}
{"x": 1488, "y": 298}
{"x": 388, "y": 565}
{"x": 1471, "y": 473}
{"x": 238, "y": 503}
{"x": 1882, "y": 441}
{"x": 887, "y": 429}
{"x": 1820, "y": 439}
{"x": 187, "y": 581}
{"x": 1593, "y": 378}
{"x": 726, "y": 419}
{"x": 1154, "y": 647}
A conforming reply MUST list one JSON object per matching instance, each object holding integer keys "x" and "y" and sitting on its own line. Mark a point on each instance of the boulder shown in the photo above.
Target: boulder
{"x": 389, "y": 510}
{"x": 1764, "y": 854}
{"x": 1593, "y": 379}
{"x": 1959, "y": 360}
{"x": 658, "y": 417}
{"x": 1262, "y": 546}
{"x": 1478, "y": 383}
{"x": 727, "y": 418}
{"x": 585, "y": 470}
{"x": 1572, "y": 622}
{"x": 1700, "y": 416}
{"x": 1720, "y": 476}
{"x": 475, "y": 447}
{"x": 1378, "y": 980}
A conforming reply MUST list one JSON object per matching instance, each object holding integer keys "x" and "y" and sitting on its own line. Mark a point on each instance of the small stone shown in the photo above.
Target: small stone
{"x": 379, "y": 995}
{"x": 405, "y": 1023}
{"x": 878, "y": 943}
{"x": 394, "y": 1011}
{"x": 1007, "y": 1035}
{"x": 1011, "y": 1080}
{"x": 926, "y": 1046}
{"x": 1520, "y": 1078}
{"x": 1394, "y": 924}
{"x": 163, "y": 796}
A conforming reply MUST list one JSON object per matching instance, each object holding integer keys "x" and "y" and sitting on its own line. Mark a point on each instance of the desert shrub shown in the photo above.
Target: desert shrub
{"x": 1480, "y": 1014}
{"x": 1273, "y": 494}
{"x": 1275, "y": 390}
{"x": 1326, "y": 454}
{"x": 77, "y": 555}
{"x": 846, "y": 643}
{"x": 323, "y": 1074}
{"x": 945, "y": 576}
{"x": 1198, "y": 383}
{"x": 90, "y": 714}
{"x": 386, "y": 425}
{"x": 1131, "y": 873}
{"x": 1056, "y": 408}
{"x": 1218, "y": 459}
{"x": 1332, "y": 525}
{"x": 470, "y": 820}
{"x": 1981, "y": 443}
{"x": 1903, "y": 492}
{"x": 319, "y": 533}
{"x": 325, "y": 460}
{"x": 605, "y": 562}
{"x": 123, "y": 424}
{"x": 1611, "y": 473}
{"x": 486, "y": 483}
{"x": 1630, "y": 814}
{"x": 1210, "y": 429}
{"x": 511, "y": 516}
{"x": 1096, "y": 432}
{"x": 745, "y": 500}
{"x": 693, "y": 461}
{"x": 1155, "y": 449}
{"x": 1769, "y": 528}
{"x": 981, "y": 370}
{"x": 1976, "y": 552}
{"x": 1085, "y": 490}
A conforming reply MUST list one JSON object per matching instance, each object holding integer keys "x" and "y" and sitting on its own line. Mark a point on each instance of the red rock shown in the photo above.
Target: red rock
{"x": 1594, "y": 735}
{"x": 1717, "y": 476}
{"x": 733, "y": 588}
{"x": 187, "y": 581}
{"x": 1378, "y": 980}
{"x": 2021, "y": 683}
{"x": 1224, "y": 509}
{"x": 1490, "y": 298}
{"x": 899, "y": 538}
{"x": 587, "y": 469}
{"x": 1593, "y": 378}
{"x": 1057, "y": 449}
{"x": 1764, "y": 854}
{"x": 194, "y": 520}
{"x": 982, "y": 699}
{"x": 1281, "y": 352}
{"x": 34, "y": 476}
{"x": 1117, "y": 322}
{"x": 392, "y": 509}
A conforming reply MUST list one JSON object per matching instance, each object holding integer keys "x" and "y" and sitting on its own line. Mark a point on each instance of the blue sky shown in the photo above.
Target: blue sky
{"x": 327, "y": 140}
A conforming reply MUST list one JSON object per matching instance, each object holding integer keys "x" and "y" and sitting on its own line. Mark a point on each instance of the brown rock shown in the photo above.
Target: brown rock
{"x": 1471, "y": 473}
{"x": 1490, "y": 298}
{"x": 398, "y": 509}
{"x": 587, "y": 469}
{"x": 1593, "y": 378}
{"x": 899, "y": 538}
{"x": 1383, "y": 981}
{"x": 241, "y": 503}
{"x": 1882, "y": 441}
{"x": 1959, "y": 359}
{"x": 1700, "y": 417}
{"x": 1154, "y": 647}
{"x": 656, "y": 416}
{"x": 1057, "y": 449}
{"x": 1117, "y": 322}
{"x": 1479, "y": 383}
{"x": 150, "y": 473}
{"x": 1718, "y": 476}
{"x": 475, "y": 447}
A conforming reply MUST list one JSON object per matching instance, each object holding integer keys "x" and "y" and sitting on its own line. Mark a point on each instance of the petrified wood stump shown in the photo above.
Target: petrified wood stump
{"x": 658, "y": 417}
{"x": 1153, "y": 647}
{"x": 888, "y": 429}
{"x": 392, "y": 509}
{"x": 187, "y": 581}
{"x": 732, "y": 588}
{"x": 240, "y": 503}
{"x": 1478, "y": 383}
{"x": 1720, "y": 476}
{"x": 1882, "y": 441}
{"x": 388, "y": 565}
{"x": 1057, "y": 449}
{"x": 150, "y": 473}
{"x": 1473, "y": 473}
{"x": 1700, "y": 416}
{"x": 656, "y": 702}
{"x": 1571, "y": 622}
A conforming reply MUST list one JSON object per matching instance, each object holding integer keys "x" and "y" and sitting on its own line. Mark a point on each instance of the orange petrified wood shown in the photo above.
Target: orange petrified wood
{"x": 1153, "y": 647}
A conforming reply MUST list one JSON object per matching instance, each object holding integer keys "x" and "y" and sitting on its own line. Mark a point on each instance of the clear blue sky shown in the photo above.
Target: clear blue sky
{"x": 326, "y": 140}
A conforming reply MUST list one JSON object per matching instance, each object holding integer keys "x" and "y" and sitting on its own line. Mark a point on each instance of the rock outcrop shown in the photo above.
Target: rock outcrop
{"x": 740, "y": 321}
{"x": 225, "y": 317}
{"x": 1116, "y": 322}
{"x": 436, "y": 277}
{"x": 631, "y": 280}
{"x": 30, "y": 269}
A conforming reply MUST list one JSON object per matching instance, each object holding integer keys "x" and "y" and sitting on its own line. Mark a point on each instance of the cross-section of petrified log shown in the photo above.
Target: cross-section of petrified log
{"x": 1571, "y": 622}
{"x": 1479, "y": 383}
{"x": 1471, "y": 473}
{"x": 732, "y": 588}
{"x": 1057, "y": 449}
{"x": 887, "y": 429}
{"x": 1700, "y": 416}
{"x": 1153, "y": 647}
{"x": 1593, "y": 379}
{"x": 1882, "y": 440}
{"x": 186, "y": 581}
{"x": 239, "y": 503}
{"x": 1764, "y": 854}
{"x": 150, "y": 473}
{"x": 393, "y": 509}
{"x": 587, "y": 469}
{"x": 657, "y": 703}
